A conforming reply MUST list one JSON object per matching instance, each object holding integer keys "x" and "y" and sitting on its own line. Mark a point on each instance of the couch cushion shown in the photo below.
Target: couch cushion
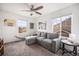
{"x": 48, "y": 41}
{"x": 43, "y": 34}
{"x": 52, "y": 35}
{"x": 38, "y": 34}
{"x": 31, "y": 37}
{"x": 40, "y": 38}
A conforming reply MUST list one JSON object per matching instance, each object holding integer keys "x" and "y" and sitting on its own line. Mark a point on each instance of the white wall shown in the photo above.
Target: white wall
{"x": 74, "y": 10}
{"x": 75, "y": 22}
{"x": 47, "y": 25}
{"x": 49, "y": 17}
{"x": 8, "y": 33}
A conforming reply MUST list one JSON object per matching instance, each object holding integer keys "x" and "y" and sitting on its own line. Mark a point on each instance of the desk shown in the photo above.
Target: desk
{"x": 69, "y": 43}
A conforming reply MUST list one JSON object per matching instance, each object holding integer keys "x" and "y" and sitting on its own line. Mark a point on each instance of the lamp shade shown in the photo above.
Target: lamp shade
{"x": 72, "y": 36}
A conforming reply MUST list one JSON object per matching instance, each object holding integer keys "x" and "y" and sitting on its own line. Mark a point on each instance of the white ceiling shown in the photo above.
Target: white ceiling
{"x": 18, "y": 7}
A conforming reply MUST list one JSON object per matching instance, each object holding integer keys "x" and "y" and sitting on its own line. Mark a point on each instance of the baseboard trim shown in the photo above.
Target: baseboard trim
{"x": 14, "y": 41}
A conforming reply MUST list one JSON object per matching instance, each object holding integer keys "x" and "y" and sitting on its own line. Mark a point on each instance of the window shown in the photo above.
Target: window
{"x": 60, "y": 19}
{"x": 22, "y": 23}
{"x": 66, "y": 17}
{"x": 62, "y": 25}
{"x": 22, "y": 26}
{"x": 56, "y": 21}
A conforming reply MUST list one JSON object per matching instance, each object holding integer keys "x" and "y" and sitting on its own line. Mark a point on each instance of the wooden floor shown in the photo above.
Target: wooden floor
{"x": 21, "y": 49}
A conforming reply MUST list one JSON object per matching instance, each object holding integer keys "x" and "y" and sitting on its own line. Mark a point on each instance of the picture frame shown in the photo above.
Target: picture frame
{"x": 31, "y": 25}
{"x": 42, "y": 26}
{"x": 9, "y": 22}
{"x": 22, "y": 29}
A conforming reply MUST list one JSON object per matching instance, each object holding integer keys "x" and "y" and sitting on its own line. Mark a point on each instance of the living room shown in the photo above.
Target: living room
{"x": 20, "y": 21}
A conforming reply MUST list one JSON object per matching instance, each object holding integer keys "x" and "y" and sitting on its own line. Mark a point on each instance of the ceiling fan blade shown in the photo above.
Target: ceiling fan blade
{"x": 38, "y": 13}
{"x": 38, "y": 8}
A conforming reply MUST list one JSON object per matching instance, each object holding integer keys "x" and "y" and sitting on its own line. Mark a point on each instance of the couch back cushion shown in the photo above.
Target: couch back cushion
{"x": 39, "y": 34}
{"x": 52, "y": 35}
{"x": 43, "y": 34}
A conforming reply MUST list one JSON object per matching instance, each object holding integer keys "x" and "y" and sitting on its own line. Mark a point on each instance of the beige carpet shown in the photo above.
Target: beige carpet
{"x": 21, "y": 49}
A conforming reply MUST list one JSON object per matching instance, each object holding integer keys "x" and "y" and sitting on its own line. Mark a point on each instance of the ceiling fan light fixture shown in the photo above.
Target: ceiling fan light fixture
{"x": 34, "y": 10}
{"x": 31, "y": 14}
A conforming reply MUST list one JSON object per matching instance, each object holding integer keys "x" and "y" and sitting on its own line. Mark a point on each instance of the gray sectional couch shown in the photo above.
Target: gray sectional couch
{"x": 49, "y": 41}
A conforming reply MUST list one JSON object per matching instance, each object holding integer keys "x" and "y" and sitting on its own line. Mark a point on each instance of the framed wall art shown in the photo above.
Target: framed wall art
{"x": 42, "y": 26}
{"x": 9, "y": 22}
{"x": 22, "y": 29}
{"x": 31, "y": 25}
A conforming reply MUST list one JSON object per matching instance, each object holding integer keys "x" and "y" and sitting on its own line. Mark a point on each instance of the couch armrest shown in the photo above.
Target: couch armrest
{"x": 55, "y": 44}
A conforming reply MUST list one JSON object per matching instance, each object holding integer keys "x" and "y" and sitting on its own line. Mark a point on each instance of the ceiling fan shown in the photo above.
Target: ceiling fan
{"x": 33, "y": 9}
